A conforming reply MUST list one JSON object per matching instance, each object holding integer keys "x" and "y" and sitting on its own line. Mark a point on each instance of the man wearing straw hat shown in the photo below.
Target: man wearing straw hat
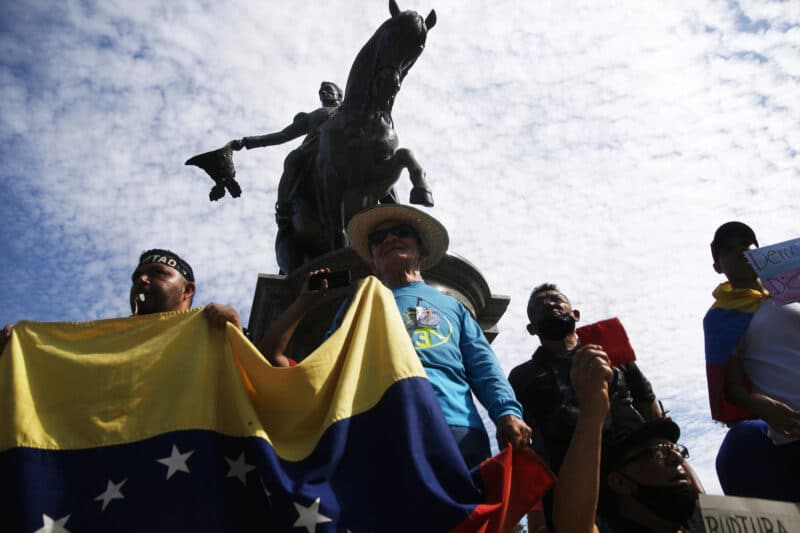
{"x": 399, "y": 242}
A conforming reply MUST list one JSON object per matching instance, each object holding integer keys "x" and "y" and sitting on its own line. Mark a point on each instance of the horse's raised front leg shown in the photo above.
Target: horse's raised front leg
{"x": 420, "y": 192}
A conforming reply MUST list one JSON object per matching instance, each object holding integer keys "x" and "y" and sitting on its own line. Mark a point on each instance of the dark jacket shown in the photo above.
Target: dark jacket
{"x": 543, "y": 387}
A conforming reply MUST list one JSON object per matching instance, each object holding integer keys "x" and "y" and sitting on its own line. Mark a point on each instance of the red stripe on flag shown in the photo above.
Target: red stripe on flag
{"x": 722, "y": 409}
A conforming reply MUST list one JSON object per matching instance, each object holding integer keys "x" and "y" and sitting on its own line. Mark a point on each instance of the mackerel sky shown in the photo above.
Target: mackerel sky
{"x": 594, "y": 144}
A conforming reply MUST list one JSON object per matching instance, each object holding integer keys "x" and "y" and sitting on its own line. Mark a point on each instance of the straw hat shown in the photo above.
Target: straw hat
{"x": 432, "y": 233}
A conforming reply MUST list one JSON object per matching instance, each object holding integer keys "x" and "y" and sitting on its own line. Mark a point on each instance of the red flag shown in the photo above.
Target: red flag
{"x": 612, "y": 337}
{"x": 514, "y": 481}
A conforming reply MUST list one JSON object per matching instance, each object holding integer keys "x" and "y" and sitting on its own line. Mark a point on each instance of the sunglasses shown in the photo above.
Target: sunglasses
{"x": 400, "y": 231}
{"x": 658, "y": 452}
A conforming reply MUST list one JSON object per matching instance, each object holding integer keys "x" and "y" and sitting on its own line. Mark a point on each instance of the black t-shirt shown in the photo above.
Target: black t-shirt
{"x": 543, "y": 387}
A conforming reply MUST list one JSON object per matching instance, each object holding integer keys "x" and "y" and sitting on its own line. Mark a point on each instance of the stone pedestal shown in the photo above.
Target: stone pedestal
{"x": 454, "y": 276}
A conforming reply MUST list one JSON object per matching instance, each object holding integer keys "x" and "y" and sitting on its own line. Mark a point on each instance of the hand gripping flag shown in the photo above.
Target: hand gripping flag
{"x": 724, "y": 326}
{"x": 160, "y": 423}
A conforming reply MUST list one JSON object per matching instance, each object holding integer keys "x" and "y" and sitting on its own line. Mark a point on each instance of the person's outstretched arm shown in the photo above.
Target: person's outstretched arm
{"x": 577, "y": 487}
{"x": 275, "y": 340}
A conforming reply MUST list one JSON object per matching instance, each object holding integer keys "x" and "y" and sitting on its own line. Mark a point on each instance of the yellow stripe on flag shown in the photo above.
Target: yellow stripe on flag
{"x": 345, "y": 376}
{"x": 80, "y": 385}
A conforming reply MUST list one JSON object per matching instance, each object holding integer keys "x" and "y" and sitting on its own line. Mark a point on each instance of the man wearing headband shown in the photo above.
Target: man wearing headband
{"x": 399, "y": 242}
{"x": 164, "y": 282}
{"x": 161, "y": 282}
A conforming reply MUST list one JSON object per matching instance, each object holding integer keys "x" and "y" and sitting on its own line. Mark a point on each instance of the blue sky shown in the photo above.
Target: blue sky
{"x": 595, "y": 144}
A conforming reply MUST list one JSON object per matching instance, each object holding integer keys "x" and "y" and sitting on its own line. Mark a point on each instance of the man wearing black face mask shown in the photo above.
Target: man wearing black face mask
{"x": 645, "y": 484}
{"x": 543, "y": 386}
{"x": 638, "y": 470}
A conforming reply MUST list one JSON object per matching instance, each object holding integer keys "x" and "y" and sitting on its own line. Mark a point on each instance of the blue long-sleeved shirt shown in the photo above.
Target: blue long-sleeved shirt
{"x": 456, "y": 356}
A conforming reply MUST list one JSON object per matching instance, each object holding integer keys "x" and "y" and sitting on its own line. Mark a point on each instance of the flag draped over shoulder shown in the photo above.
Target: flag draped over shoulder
{"x": 724, "y": 326}
{"x": 160, "y": 423}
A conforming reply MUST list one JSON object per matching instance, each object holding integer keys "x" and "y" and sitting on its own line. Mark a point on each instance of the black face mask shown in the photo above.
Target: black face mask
{"x": 555, "y": 328}
{"x": 674, "y": 503}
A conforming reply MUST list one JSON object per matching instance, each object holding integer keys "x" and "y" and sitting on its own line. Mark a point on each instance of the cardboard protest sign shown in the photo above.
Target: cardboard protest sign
{"x": 728, "y": 514}
{"x": 612, "y": 337}
{"x": 778, "y": 267}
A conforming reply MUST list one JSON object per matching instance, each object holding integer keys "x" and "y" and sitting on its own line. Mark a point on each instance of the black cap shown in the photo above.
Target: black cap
{"x": 731, "y": 228}
{"x": 626, "y": 438}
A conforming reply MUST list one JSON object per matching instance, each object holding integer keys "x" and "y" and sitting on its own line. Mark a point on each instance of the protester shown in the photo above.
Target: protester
{"x": 753, "y": 367}
{"x": 637, "y": 470}
{"x": 163, "y": 282}
{"x": 646, "y": 482}
{"x": 399, "y": 242}
{"x": 543, "y": 386}
{"x": 461, "y": 360}
{"x": 735, "y": 302}
{"x": 276, "y": 339}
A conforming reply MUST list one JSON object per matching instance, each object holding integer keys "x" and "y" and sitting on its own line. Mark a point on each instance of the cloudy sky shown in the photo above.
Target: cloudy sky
{"x": 595, "y": 144}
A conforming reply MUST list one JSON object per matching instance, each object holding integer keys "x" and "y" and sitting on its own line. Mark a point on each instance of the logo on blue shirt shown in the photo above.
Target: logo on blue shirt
{"x": 427, "y": 336}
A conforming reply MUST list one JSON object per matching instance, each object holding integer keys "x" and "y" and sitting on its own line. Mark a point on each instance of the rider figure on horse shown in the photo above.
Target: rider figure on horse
{"x": 308, "y": 124}
{"x": 299, "y": 164}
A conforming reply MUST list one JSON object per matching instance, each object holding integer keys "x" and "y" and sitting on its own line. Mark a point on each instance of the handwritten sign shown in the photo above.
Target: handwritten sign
{"x": 778, "y": 267}
{"x": 727, "y": 514}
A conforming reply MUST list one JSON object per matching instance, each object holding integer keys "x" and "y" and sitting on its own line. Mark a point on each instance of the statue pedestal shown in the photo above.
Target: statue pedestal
{"x": 453, "y": 275}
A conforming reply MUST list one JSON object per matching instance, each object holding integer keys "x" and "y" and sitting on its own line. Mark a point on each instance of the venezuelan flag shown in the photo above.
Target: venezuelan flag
{"x": 160, "y": 423}
{"x": 724, "y": 325}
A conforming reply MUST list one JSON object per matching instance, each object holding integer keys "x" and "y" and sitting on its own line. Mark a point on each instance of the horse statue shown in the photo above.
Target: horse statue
{"x": 358, "y": 159}
{"x": 349, "y": 159}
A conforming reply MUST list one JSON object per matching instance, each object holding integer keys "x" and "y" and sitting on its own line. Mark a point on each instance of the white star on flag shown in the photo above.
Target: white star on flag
{"x": 112, "y": 492}
{"x": 266, "y": 492}
{"x": 239, "y": 468}
{"x": 309, "y": 517}
{"x": 176, "y": 461}
{"x": 53, "y": 526}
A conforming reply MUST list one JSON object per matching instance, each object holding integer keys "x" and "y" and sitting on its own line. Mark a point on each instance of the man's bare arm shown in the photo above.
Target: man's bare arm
{"x": 276, "y": 339}
{"x": 577, "y": 487}
{"x": 777, "y": 414}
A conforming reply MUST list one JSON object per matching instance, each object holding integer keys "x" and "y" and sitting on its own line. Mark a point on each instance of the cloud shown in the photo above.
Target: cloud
{"x": 594, "y": 144}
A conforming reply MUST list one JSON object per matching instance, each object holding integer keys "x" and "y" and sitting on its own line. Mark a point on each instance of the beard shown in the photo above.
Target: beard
{"x": 556, "y": 328}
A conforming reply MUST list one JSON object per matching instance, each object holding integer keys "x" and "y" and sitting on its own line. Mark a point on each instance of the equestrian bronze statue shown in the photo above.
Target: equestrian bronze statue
{"x": 350, "y": 158}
